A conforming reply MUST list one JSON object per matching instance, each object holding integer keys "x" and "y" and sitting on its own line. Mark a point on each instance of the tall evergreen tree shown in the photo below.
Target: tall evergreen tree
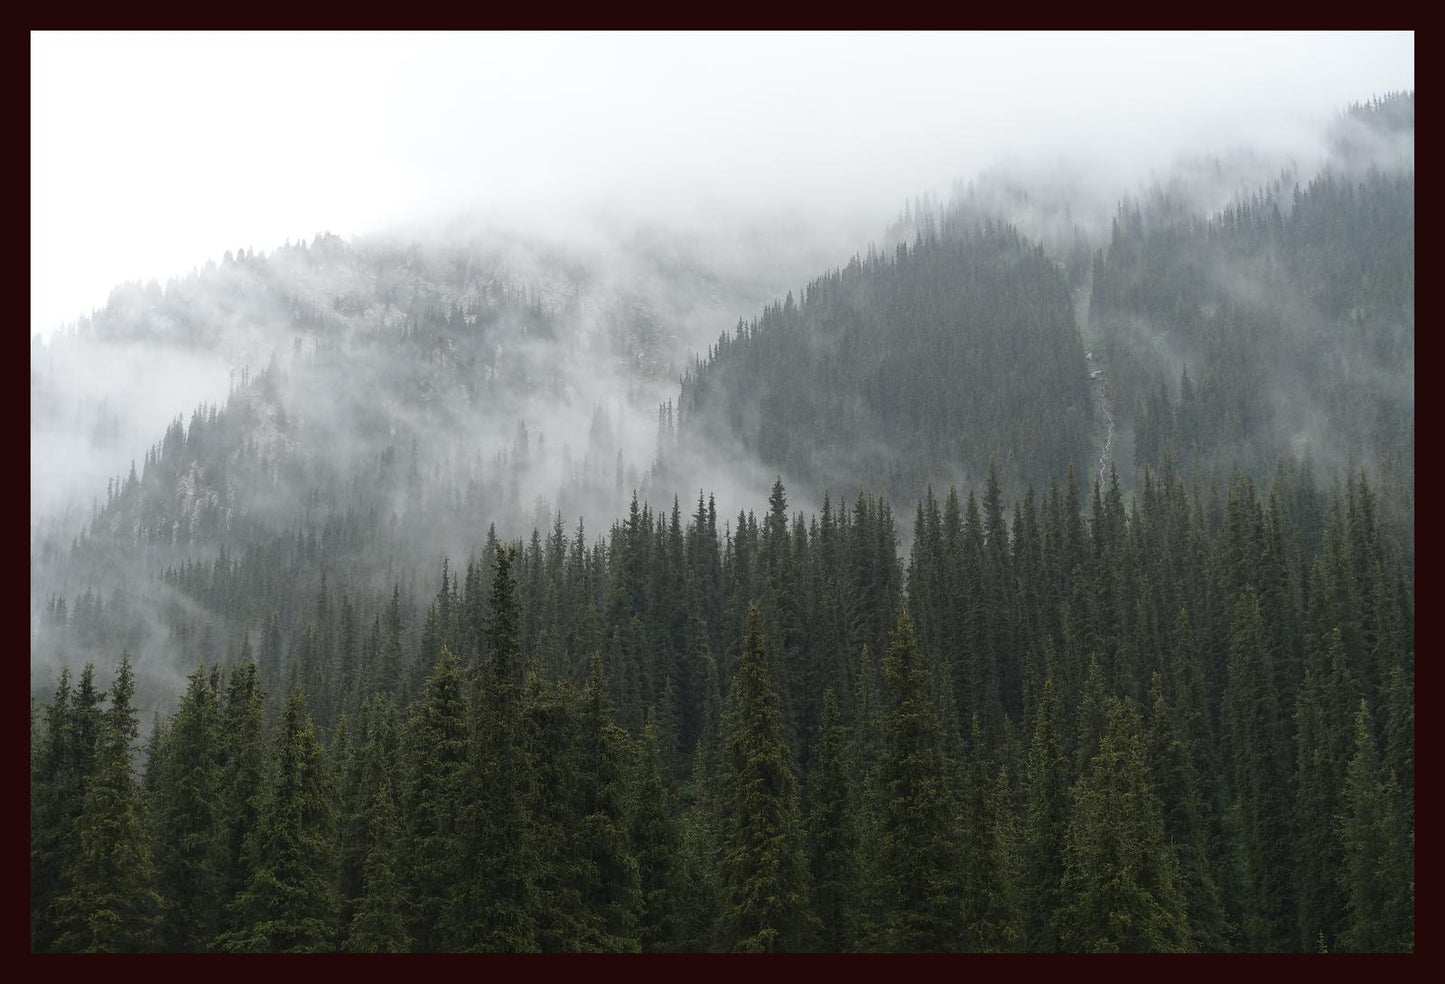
{"x": 189, "y": 821}
{"x": 492, "y": 907}
{"x": 1120, "y": 886}
{"x": 1261, "y": 778}
{"x": 110, "y": 903}
{"x": 657, "y": 842}
{"x": 610, "y": 886}
{"x": 245, "y": 772}
{"x": 990, "y": 888}
{"x": 920, "y": 864}
{"x": 379, "y": 925}
{"x": 1378, "y": 874}
{"x": 290, "y": 901}
{"x": 763, "y": 870}
{"x": 832, "y": 831}
{"x": 1044, "y": 825}
{"x": 433, "y": 773}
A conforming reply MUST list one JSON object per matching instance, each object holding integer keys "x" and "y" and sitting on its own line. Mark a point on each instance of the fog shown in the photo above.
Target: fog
{"x": 152, "y": 153}
{"x": 642, "y": 192}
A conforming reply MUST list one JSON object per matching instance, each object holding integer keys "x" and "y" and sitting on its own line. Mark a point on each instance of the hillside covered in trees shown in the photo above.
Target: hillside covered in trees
{"x": 1016, "y": 587}
{"x": 781, "y": 738}
{"x": 900, "y": 371}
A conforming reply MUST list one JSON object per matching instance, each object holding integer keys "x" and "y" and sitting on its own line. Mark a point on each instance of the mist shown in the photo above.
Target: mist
{"x": 197, "y": 143}
{"x": 604, "y": 206}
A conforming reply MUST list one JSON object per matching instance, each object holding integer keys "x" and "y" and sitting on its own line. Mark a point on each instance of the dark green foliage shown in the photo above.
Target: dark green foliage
{"x": 991, "y": 909}
{"x": 763, "y": 872}
{"x": 1120, "y": 886}
{"x": 245, "y": 771}
{"x": 832, "y": 831}
{"x": 1260, "y": 755}
{"x": 611, "y": 891}
{"x": 918, "y": 878}
{"x": 656, "y": 839}
{"x": 527, "y": 817}
{"x": 109, "y": 902}
{"x": 955, "y": 351}
{"x": 364, "y": 767}
{"x": 56, "y": 797}
{"x": 433, "y": 770}
{"x": 289, "y": 903}
{"x": 1045, "y": 820}
{"x": 1324, "y": 742}
{"x": 1378, "y": 874}
{"x": 1166, "y": 659}
{"x": 188, "y": 821}
{"x": 1184, "y": 798}
{"x": 492, "y": 906}
{"x": 379, "y": 925}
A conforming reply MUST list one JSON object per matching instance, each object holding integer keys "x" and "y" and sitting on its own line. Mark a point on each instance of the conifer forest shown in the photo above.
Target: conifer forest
{"x": 1027, "y": 581}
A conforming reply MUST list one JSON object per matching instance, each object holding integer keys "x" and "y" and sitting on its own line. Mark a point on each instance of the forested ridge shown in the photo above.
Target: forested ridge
{"x": 419, "y": 641}
{"x": 1183, "y": 725}
{"x": 904, "y": 371}
{"x": 1285, "y": 320}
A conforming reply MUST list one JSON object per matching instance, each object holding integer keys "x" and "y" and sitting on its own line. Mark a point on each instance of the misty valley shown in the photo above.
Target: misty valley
{"x": 1034, "y": 575}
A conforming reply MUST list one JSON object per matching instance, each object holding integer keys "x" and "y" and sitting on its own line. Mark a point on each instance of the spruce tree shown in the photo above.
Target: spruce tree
{"x": 110, "y": 903}
{"x": 189, "y": 827}
{"x": 1323, "y": 740}
{"x": 763, "y": 871}
{"x": 657, "y": 842}
{"x": 1261, "y": 778}
{"x": 379, "y": 925}
{"x": 289, "y": 904}
{"x": 491, "y": 909}
{"x": 832, "y": 831}
{"x": 433, "y": 772}
{"x": 56, "y": 800}
{"x": 1378, "y": 875}
{"x": 1120, "y": 886}
{"x": 919, "y": 874}
{"x": 245, "y": 771}
{"x": 1182, "y": 797}
{"x": 990, "y": 880}
{"x": 610, "y": 887}
{"x": 1044, "y": 825}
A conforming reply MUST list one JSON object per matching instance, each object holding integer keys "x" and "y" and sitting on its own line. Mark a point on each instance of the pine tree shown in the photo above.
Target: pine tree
{"x": 245, "y": 771}
{"x": 1120, "y": 886}
{"x": 379, "y": 925}
{"x": 361, "y": 769}
{"x": 1261, "y": 778}
{"x": 657, "y": 842}
{"x": 990, "y": 887}
{"x": 110, "y": 903}
{"x": 918, "y": 880}
{"x": 763, "y": 870}
{"x": 289, "y": 904}
{"x": 1182, "y": 796}
{"x": 832, "y": 831}
{"x": 491, "y": 909}
{"x": 433, "y": 767}
{"x": 57, "y": 796}
{"x": 1378, "y": 875}
{"x": 699, "y": 857}
{"x": 1323, "y": 742}
{"x": 189, "y": 827}
{"x": 553, "y": 735}
{"x": 610, "y": 887}
{"x": 1044, "y": 826}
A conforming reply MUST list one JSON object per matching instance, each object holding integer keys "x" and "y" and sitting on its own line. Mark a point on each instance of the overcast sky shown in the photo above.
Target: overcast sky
{"x": 152, "y": 153}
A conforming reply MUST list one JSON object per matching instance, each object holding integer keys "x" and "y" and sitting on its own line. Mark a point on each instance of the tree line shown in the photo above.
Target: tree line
{"x": 1181, "y": 724}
